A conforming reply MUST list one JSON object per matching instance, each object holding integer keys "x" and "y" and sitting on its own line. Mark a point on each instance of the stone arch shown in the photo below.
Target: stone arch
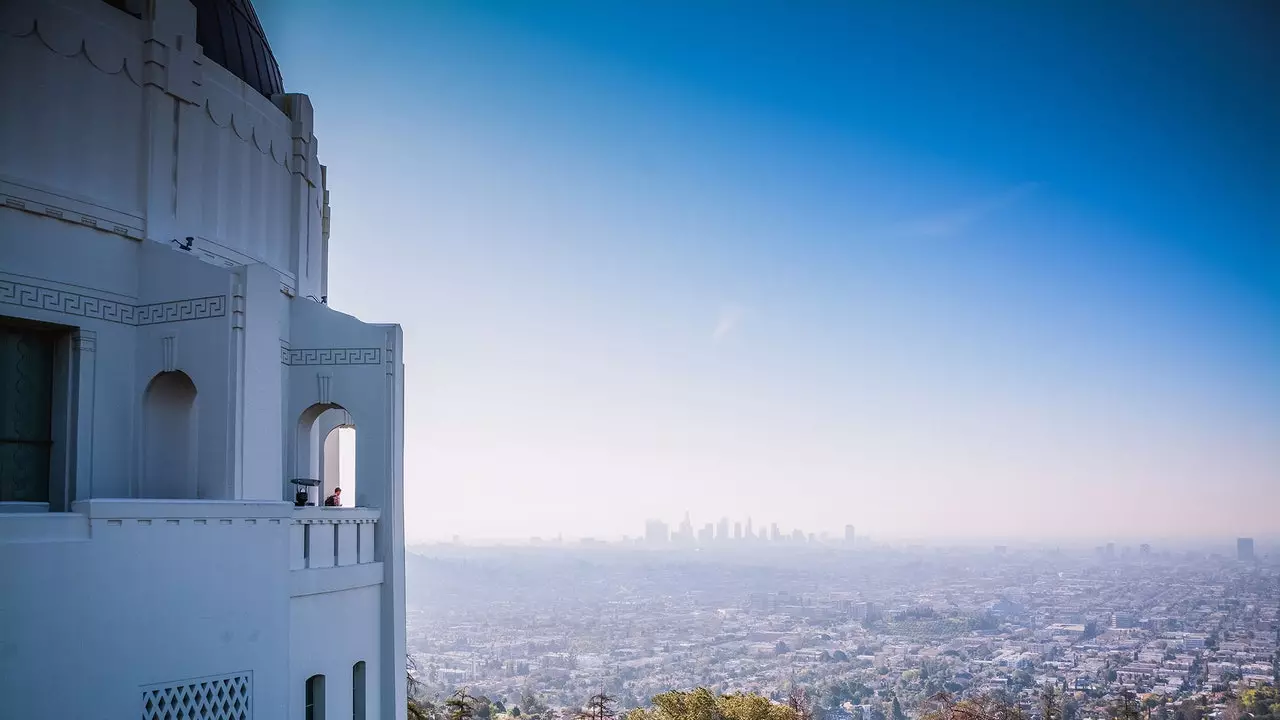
{"x": 170, "y": 438}
{"x": 316, "y": 455}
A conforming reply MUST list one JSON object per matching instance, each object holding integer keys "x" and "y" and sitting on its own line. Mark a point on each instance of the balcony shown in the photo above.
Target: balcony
{"x": 332, "y": 549}
{"x": 138, "y": 520}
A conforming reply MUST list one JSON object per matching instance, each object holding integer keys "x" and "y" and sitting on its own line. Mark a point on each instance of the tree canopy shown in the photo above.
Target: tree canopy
{"x": 702, "y": 704}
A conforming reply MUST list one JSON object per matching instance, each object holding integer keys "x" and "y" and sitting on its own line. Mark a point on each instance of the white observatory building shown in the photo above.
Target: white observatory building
{"x": 170, "y": 365}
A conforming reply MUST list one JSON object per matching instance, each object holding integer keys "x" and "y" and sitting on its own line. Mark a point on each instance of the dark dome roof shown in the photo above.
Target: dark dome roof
{"x": 231, "y": 36}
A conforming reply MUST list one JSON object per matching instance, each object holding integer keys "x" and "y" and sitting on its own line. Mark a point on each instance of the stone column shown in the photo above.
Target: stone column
{"x": 84, "y": 354}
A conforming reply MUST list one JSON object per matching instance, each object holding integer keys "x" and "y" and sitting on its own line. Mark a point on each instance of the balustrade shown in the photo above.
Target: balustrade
{"x": 324, "y": 537}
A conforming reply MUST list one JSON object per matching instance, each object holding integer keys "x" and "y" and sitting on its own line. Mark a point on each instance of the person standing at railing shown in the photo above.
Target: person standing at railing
{"x": 334, "y": 500}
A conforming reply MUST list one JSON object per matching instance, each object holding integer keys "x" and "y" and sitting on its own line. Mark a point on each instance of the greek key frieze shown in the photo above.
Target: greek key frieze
{"x": 96, "y": 308}
{"x": 331, "y": 356}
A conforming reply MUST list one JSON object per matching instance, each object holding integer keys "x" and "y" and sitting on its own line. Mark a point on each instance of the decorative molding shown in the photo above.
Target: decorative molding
{"x": 48, "y": 203}
{"x": 169, "y": 352}
{"x": 179, "y": 310}
{"x": 84, "y": 340}
{"x": 324, "y": 382}
{"x": 226, "y": 99}
{"x": 237, "y": 305}
{"x": 391, "y": 352}
{"x": 330, "y": 356}
{"x": 96, "y": 308}
{"x": 70, "y": 34}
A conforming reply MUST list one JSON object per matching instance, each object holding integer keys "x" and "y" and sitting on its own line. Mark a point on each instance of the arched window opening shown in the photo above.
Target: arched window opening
{"x": 308, "y": 453}
{"x": 338, "y": 462}
{"x": 170, "y": 438}
{"x": 325, "y": 453}
{"x": 315, "y": 698}
{"x": 357, "y": 691}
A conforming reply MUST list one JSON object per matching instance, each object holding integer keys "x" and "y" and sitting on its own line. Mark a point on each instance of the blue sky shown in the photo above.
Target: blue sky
{"x": 929, "y": 268}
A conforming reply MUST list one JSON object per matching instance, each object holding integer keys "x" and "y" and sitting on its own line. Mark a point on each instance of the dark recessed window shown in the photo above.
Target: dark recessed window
{"x": 27, "y": 354}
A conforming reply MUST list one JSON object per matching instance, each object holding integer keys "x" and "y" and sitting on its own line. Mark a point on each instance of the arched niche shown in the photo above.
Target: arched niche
{"x": 170, "y": 438}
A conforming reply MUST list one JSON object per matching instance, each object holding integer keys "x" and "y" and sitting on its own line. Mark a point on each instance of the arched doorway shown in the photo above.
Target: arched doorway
{"x": 325, "y": 451}
{"x": 338, "y": 455}
{"x": 170, "y": 433}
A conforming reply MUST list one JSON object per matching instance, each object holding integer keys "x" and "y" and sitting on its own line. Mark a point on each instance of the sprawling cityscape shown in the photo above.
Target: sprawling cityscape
{"x": 869, "y": 631}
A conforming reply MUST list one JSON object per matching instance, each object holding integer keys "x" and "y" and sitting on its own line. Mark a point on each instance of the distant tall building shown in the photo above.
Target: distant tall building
{"x": 750, "y": 535}
{"x": 706, "y": 534}
{"x": 797, "y": 535}
{"x": 1244, "y": 549}
{"x": 656, "y": 532}
{"x": 848, "y": 535}
{"x": 737, "y": 530}
{"x": 686, "y": 529}
{"x": 774, "y": 533}
{"x": 722, "y": 529}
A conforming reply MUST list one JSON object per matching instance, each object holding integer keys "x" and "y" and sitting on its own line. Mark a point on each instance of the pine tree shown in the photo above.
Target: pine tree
{"x": 599, "y": 707}
{"x": 1050, "y": 703}
{"x": 460, "y": 706}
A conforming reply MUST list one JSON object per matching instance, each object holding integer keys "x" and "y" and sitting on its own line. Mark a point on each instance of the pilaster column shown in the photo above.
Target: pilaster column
{"x": 84, "y": 354}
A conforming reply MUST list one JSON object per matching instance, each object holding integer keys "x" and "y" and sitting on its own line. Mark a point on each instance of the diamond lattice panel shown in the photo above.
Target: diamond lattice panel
{"x": 224, "y": 697}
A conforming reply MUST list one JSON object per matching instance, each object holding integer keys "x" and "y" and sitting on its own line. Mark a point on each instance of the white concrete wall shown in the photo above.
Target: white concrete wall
{"x": 331, "y": 632}
{"x": 161, "y": 592}
{"x": 49, "y": 150}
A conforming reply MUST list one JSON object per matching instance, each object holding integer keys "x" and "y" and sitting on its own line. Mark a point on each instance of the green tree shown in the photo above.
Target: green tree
{"x": 702, "y": 704}
{"x": 599, "y": 707}
{"x": 1050, "y": 703}
{"x": 1263, "y": 700}
{"x": 1070, "y": 708}
{"x": 1126, "y": 707}
{"x": 418, "y": 707}
{"x": 798, "y": 701}
{"x": 460, "y": 706}
{"x": 982, "y": 707}
{"x": 533, "y": 705}
{"x": 896, "y": 710}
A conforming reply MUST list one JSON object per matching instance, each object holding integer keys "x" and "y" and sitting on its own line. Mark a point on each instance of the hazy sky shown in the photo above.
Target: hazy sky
{"x": 929, "y": 268}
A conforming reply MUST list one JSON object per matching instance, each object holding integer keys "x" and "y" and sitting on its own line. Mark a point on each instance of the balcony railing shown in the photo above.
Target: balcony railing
{"x": 323, "y": 537}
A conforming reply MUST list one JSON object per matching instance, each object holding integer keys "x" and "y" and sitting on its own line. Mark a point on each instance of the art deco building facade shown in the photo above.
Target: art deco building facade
{"x": 170, "y": 362}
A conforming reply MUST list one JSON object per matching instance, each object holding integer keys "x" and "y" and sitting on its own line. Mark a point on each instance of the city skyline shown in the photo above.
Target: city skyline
{"x": 726, "y": 530}
{"x": 662, "y": 534}
{"x": 952, "y": 271}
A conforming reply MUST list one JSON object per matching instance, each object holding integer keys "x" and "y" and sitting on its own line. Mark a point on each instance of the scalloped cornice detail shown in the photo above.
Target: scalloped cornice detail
{"x": 70, "y": 35}
{"x": 268, "y": 142}
{"x": 113, "y": 52}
